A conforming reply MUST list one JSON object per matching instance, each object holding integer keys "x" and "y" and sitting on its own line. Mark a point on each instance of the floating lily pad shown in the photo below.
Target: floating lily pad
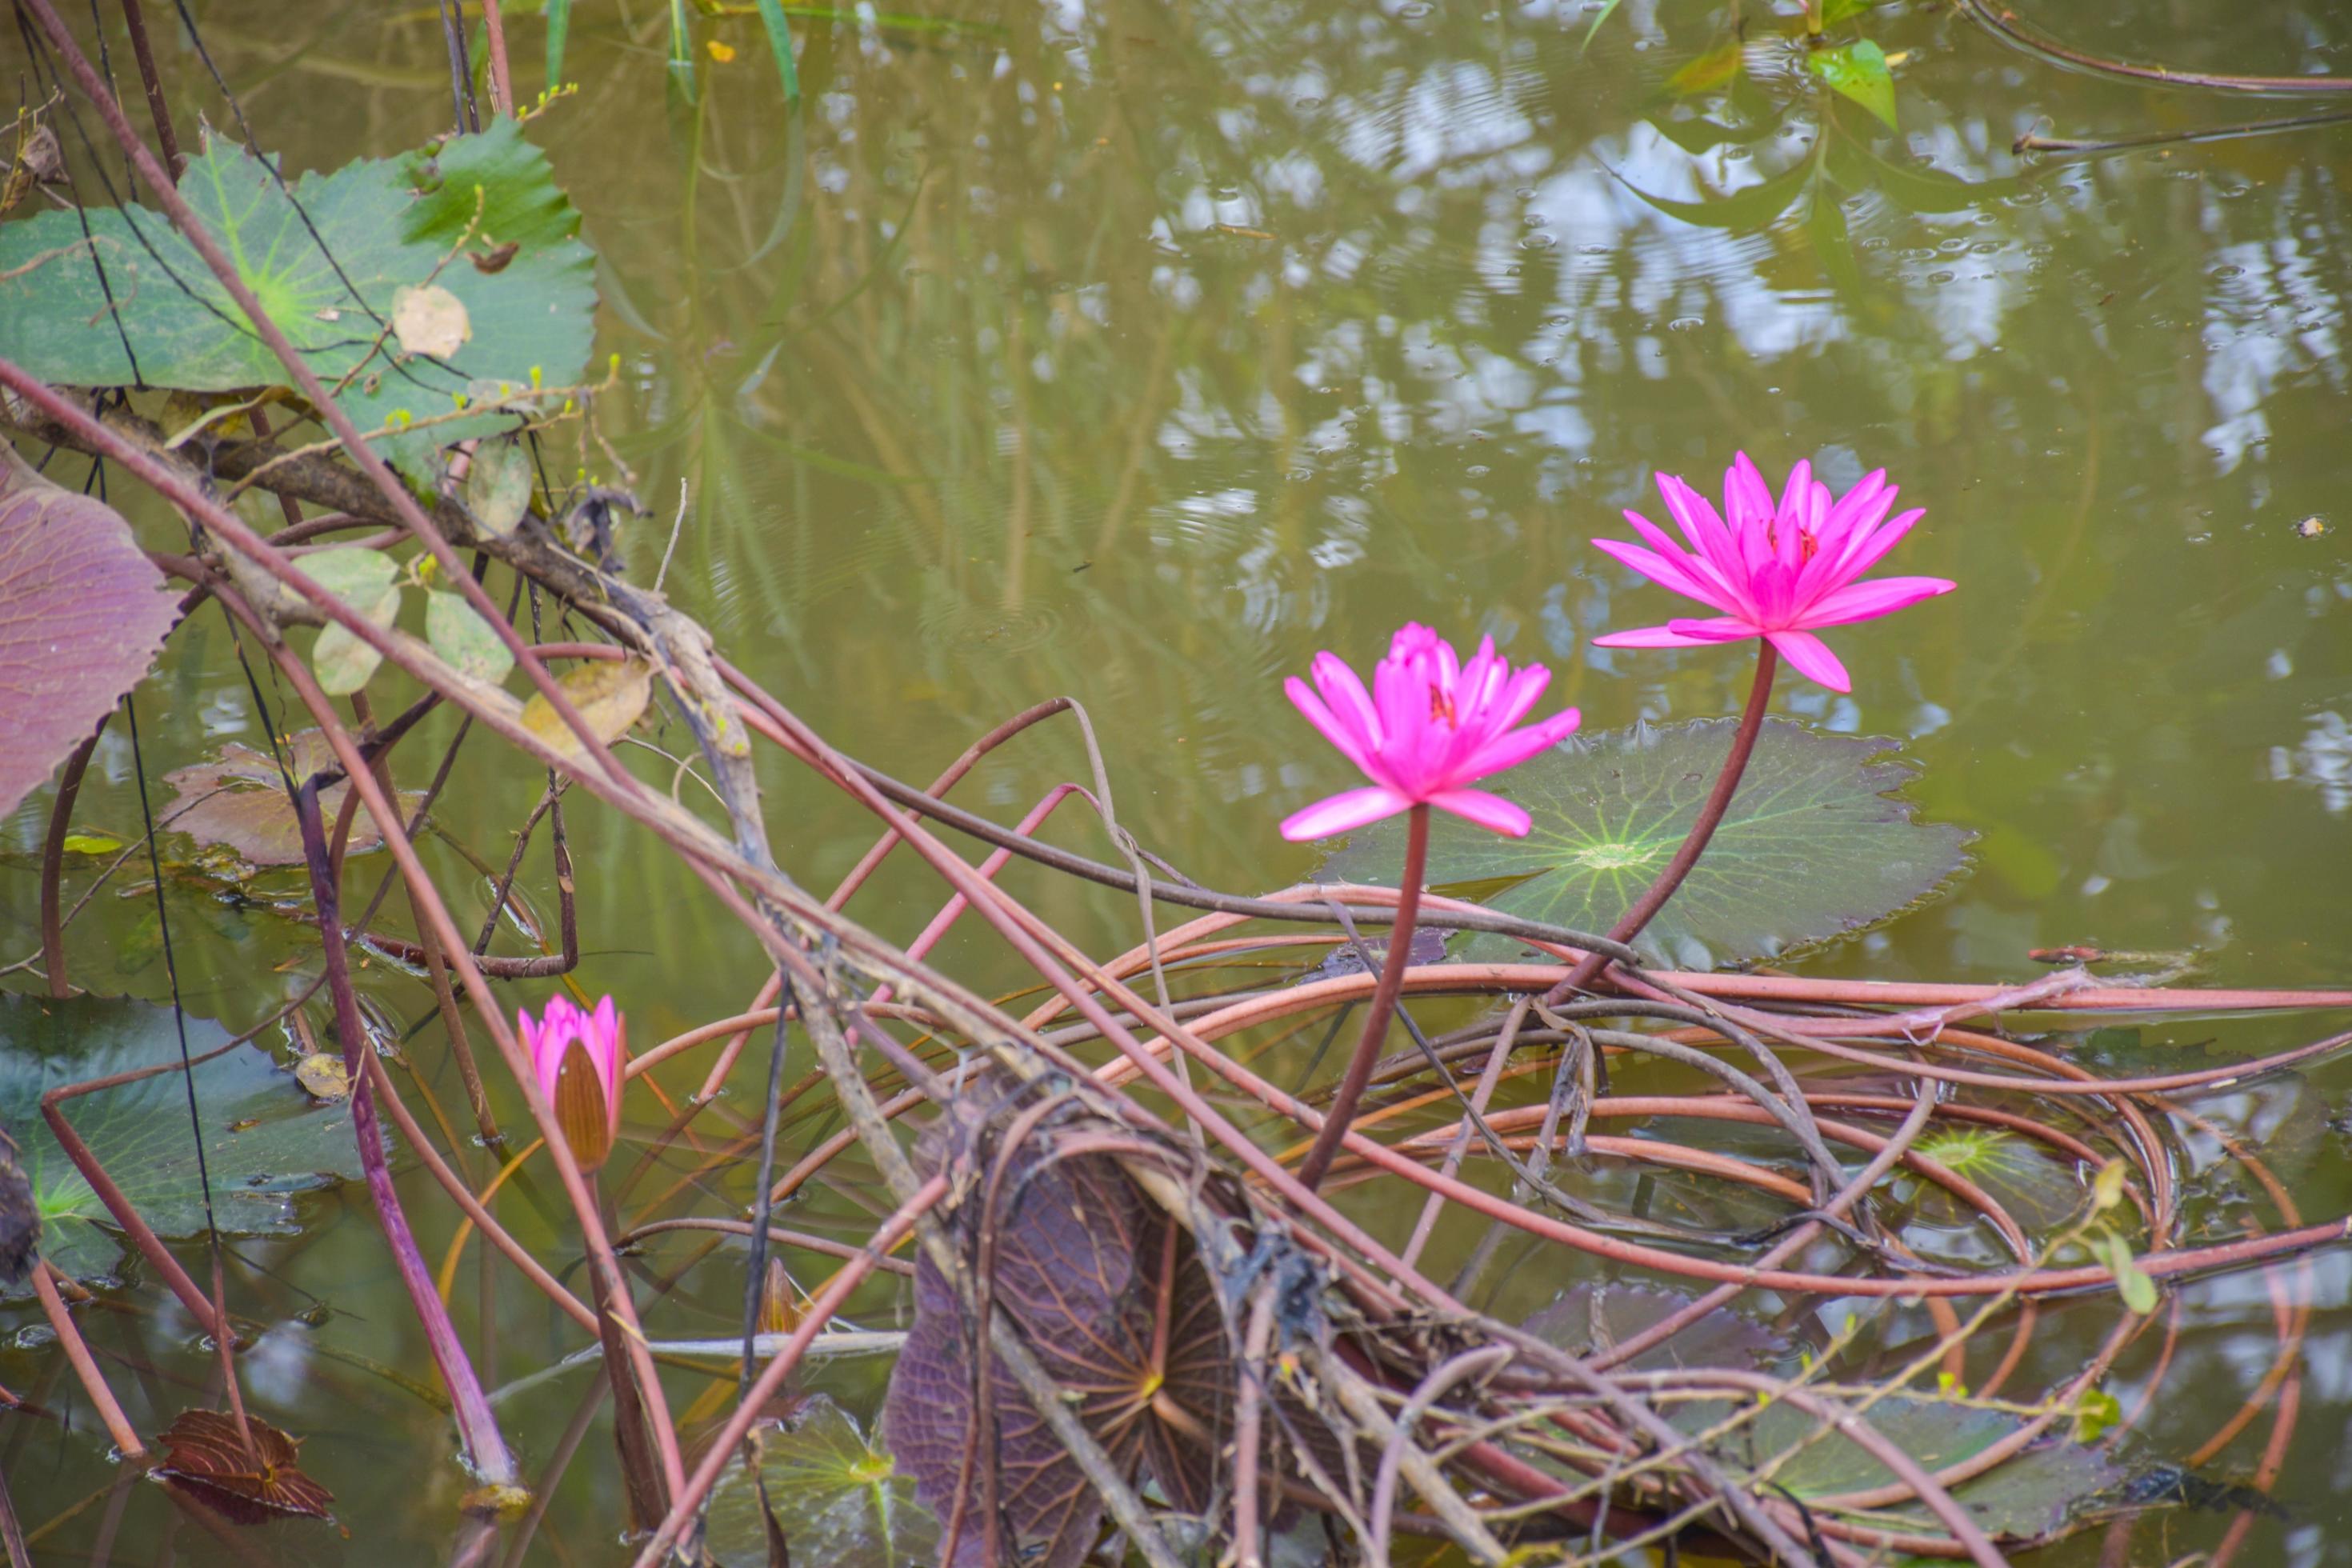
{"x": 2027, "y": 1495}
{"x": 1815, "y": 843}
{"x": 2039, "y": 1187}
{"x": 837, "y": 1498}
{"x": 239, "y": 800}
{"x": 331, "y": 283}
{"x": 264, "y": 1137}
{"x": 82, "y": 611}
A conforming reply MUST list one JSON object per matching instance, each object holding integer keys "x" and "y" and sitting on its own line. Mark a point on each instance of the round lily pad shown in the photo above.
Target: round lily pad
{"x": 836, "y": 1497}
{"x": 1815, "y": 845}
{"x": 264, "y": 1137}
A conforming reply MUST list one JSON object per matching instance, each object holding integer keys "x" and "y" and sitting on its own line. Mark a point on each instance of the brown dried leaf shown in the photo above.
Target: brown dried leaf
{"x": 205, "y": 1455}
{"x": 82, "y": 612}
{"x": 240, "y": 801}
{"x": 609, "y": 694}
{"x": 323, "y": 1073}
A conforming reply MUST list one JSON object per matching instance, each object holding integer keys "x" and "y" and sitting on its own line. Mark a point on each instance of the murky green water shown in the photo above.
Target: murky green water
{"x": 1132, "y": 354}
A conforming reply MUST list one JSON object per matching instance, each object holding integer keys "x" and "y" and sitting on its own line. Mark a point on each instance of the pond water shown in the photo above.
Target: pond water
{"x": 1132, "y": 354}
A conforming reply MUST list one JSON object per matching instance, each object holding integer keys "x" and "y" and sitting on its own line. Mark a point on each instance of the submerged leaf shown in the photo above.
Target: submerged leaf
{"x": 385, "y": 223}
{"x": 82, "y": 612}
{"x": 2026, "y": 1496}
{"x": 1813, "y": 846}
{"x": 836, "y": 1499}
{"x": 264, "y": 1137}
{"x": 205, "y": 1455}
{"x": 239, "y": 800}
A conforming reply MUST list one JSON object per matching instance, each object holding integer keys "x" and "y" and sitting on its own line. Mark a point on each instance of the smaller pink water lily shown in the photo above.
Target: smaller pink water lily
{"x": 1774, "y": 572}
{"x": 1430, "y": 727}
{"x": 577, "y": 1057}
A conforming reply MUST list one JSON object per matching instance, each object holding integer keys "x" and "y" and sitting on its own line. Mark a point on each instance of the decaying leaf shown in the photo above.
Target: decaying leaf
{"x": 205, "y": 1455}
{"x": 1080, "y": 1260}
{"x": 430, "y": 321}
{"x": 497, "y": 486}
{"x": 82, "y": 612}
{"x": 323, "y": 1073}
{"x": 239, "y": 801}
{"x": 20, "y": 1216}
{"x": 608, "y": 693}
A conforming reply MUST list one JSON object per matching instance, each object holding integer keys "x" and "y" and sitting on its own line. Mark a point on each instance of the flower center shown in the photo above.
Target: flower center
{"x": 1441, "y": 706}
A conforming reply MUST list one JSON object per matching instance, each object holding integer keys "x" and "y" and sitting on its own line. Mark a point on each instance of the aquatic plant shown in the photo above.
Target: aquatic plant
{"x": 1129, "y": 1292}
{"x": 578, "y": 1056}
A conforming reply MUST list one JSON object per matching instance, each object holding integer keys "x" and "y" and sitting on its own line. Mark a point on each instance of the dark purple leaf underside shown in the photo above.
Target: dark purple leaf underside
{"x": 82, "y": 614}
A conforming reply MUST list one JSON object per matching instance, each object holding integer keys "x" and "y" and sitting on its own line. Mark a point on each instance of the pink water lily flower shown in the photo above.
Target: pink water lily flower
{"x": 578, "y": 1058}
{"x": 1429, "y": 728}
{"x": 1774, "y": 572}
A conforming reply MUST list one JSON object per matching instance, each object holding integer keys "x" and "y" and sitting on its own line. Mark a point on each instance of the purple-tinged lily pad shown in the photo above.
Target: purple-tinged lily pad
{"x": 237, "y": 801}
{"x": 82, "y": 614}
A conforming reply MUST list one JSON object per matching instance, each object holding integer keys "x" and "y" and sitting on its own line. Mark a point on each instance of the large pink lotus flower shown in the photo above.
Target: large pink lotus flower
{"x": 1429, "y": 727}
{"x": 578, "y": 1058}
{"x": 1777, "y": 572}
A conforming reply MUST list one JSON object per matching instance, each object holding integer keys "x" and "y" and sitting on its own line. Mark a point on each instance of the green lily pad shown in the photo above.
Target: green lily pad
{"x": 2029, "y": 1494}
{"x": 264, "y": 1137}
{"x": 384, "y": 224}
{"x": 1815, "y": 846}
{"x": 2038, "y": 1187}
{"x": 836, "y": 1497}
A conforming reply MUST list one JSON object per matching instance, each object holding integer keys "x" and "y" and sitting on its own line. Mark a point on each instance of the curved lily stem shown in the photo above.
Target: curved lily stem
{"x": 1693, "y": 844}
{"x": 1376, "y": 1018}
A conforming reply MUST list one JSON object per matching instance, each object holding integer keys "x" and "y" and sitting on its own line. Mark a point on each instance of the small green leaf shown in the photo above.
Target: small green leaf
{"x": 2137, "y": 1290}
{"x": 497, "y": 486}
{"x": 91, "y": 844}
{"x": 2107, "y": 1187}
{"x": 367, "y": 580}
{"x": 458, "y": 634}
{"x": 2097, "y": 1413}
{"x": 1858, "y": 71}
{"x": 838, "y": 1497}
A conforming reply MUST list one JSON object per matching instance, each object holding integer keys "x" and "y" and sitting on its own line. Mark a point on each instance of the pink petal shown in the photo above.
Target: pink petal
{"x": 1355, "y": 747}
{"x": 1812, "y": 658}
{"x": 1351, "y": 704}
{"x": 1879, "y": 596}
{"x": 1510, "y": 750}
{"x": 1866, "y": 552}
{"x": 1342, "y": 813}
{"x": 1664, "y": 574}
{"x": 1695, "y": 516}
{"x": 1488, "y": 810}
{"x": 1653, "y": 637}
{"x": 1725, "y": 628}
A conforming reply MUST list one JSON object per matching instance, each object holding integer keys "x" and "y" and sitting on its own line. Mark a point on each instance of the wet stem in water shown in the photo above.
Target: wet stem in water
{"x": 1376, "y": 1021}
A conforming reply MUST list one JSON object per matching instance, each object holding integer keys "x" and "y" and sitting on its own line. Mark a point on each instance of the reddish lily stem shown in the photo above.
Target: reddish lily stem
{"x": 85, "y": 1366}
{"x": 1710, "y": 815}
{"x": 486, "y": 1448}
{"x": 1383, "y": 1007}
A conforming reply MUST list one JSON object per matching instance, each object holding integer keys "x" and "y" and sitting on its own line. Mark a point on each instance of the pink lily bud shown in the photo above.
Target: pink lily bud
{"x": 577, "y": 1058}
